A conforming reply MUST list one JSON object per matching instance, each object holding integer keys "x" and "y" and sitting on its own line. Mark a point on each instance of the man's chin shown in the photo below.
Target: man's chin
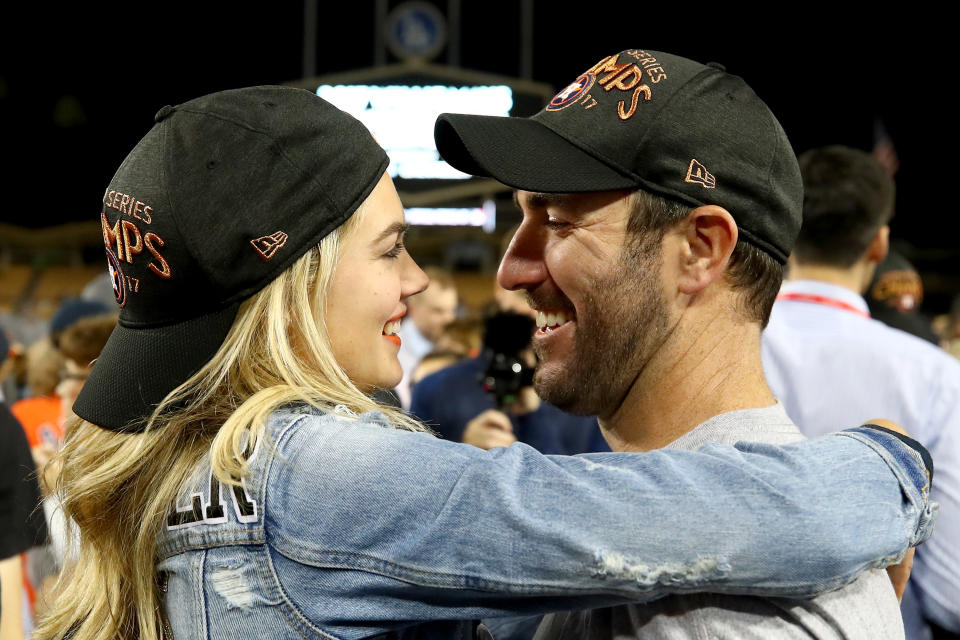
{"x": 560, "y": 391}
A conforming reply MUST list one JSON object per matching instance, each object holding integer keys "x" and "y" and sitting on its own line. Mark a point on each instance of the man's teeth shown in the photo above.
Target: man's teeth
{"x": 552, "y": 319}
{"x": 391, "y": 328}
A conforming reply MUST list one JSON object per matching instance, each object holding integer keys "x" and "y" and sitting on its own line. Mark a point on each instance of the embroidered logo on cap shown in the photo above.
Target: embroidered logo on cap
{"x": 698, "y": 174}
{"x": 901, "y": 289}
{"x": 116, "y": 278}
{"x": 266, "y": 246}
{"x": 574, "y": 91}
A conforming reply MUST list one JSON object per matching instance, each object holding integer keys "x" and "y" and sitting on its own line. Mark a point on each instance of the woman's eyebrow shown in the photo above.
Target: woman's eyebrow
{"x": 392, "y": 230}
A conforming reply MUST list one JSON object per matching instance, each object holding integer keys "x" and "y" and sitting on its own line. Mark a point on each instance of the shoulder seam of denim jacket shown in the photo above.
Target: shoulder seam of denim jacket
{"x": 173, "y": 547}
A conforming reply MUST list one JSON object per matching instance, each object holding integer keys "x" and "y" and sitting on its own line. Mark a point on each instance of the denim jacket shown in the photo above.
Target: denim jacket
{"x": 348, "y": 528}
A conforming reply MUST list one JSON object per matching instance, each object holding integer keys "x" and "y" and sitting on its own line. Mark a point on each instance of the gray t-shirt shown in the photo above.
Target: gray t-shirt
{"x": 865, "y": 609}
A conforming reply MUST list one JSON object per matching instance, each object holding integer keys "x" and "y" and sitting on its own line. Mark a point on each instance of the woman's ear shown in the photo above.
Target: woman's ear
{"x": 709, "y": 235}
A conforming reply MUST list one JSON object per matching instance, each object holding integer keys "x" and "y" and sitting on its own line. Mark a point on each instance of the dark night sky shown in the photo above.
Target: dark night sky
{"x": 826, "y": 76}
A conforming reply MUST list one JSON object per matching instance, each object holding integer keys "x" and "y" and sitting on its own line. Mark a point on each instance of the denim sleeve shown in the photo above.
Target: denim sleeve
{"x": 452, "y": 531}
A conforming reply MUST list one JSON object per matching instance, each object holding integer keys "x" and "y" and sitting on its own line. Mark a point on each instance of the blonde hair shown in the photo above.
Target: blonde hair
{"x": 118, "y": 487}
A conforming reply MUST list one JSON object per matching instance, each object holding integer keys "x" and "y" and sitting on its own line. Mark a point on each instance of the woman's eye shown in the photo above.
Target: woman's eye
{"x": 396, "y": 251}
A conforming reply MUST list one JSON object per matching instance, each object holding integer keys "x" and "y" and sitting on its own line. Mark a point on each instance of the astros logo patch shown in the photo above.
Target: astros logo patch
{"x": 116, "y": 277}
{"x": 574, "y": 91}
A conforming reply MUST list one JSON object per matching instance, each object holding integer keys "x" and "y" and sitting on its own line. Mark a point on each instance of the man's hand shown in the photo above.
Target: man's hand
{"x": 489, "y": 429}
{"x": 899, "y": 573}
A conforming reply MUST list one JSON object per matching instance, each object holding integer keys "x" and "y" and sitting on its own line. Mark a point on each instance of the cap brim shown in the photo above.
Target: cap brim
{"x": 138, "y": 367}
{"x": 523, "y": 154}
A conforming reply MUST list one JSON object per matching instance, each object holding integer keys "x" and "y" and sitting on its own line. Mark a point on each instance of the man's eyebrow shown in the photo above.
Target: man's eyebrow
{"x": 541, "y": 200}
{"x": 392, "y": 230}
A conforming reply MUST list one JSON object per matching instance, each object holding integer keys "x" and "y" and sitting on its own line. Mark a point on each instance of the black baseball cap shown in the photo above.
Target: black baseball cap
{"x": 220, "y": 197}
{"x": 649, "y": 120}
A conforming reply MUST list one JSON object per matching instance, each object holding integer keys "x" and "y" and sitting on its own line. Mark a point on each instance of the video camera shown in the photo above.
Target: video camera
{"x": 506, "y": 337}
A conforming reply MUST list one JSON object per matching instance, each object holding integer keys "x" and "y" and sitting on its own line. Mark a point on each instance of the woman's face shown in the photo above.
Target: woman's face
{"x": 367, "y": 297}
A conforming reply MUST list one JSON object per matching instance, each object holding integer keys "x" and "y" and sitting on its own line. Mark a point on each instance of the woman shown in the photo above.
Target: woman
{"x": 231, "y": 477}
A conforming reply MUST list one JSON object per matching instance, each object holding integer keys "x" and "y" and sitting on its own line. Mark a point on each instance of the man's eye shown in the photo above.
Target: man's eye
{"x": 555, "y": 223}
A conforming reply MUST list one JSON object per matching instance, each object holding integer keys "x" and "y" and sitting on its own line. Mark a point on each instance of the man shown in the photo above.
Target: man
{"x": 660, "y": 200}
{"x": 829, "y": 362}
{"x": 428, "y": 314}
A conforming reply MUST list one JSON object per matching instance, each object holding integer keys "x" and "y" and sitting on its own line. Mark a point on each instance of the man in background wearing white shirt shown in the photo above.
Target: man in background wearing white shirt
{"x": 829, "y": 363}
{"x": 428, "y": 314}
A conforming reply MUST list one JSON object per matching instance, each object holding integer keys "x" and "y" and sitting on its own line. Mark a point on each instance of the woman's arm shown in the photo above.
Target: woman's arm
{"x": 446, "y": 530}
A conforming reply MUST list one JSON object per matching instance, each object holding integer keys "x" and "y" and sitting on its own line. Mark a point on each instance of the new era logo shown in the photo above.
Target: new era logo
{"x": 698, "y": 174}
{"x": 266, "y": 246}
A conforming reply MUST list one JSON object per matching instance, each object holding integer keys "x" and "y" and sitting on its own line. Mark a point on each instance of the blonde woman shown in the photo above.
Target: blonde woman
{"x": 231, "y": 477}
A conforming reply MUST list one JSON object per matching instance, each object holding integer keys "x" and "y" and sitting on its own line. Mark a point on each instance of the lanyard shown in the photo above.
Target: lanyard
{"x": 830, "y": 302}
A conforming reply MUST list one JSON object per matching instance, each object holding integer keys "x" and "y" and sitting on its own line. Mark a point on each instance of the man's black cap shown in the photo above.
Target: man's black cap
{"x": 221, "y": 196}
{"x": 649, "y": 120}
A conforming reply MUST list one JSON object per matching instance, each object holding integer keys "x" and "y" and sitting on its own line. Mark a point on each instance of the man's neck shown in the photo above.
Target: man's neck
{"x": 856, "y": 278}
{"x": 708, "y": 366}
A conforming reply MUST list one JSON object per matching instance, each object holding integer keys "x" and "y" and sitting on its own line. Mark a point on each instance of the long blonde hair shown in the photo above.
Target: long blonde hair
{"x": 118, "y": 487}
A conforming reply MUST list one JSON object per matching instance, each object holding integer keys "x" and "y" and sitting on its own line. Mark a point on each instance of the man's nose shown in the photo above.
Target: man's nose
{"x": 522, "y": 266}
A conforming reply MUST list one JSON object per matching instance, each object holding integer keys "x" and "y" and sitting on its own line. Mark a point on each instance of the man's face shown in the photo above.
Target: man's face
{"x": 433, "y": 310}
{"x": 601, "y": 299}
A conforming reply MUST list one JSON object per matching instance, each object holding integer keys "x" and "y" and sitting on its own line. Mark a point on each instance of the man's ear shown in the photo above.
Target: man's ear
{"x": 879, "y": 246}
{"x": 709, "y": 236}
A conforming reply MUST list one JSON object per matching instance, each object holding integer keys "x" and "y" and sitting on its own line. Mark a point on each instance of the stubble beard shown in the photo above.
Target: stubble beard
{"x": 620, "y": 324}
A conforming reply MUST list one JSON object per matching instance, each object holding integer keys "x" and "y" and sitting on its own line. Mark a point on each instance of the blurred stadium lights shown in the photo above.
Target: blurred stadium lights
{"x": 401, "y": 118}
{"x": 484, "y": 217}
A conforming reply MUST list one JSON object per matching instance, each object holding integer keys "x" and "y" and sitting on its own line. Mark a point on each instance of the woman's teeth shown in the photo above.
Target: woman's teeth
{"x": 552, "y": 319}
{"x": 391, "y": 328}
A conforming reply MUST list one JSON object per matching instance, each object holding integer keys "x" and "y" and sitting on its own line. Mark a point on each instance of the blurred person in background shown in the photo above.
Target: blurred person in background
{"x": 79, "y": 344}
{"x": 827, "y": 360}
{"x": 463, "y": 338}
{"x": 41, "y": 412}
{"x": 428, "y": 314}
{"x": 950, "y": 330}
{"x": 56, "y": 367}
{"x": 22, "y": 525}
{"x": 894, "y": 296}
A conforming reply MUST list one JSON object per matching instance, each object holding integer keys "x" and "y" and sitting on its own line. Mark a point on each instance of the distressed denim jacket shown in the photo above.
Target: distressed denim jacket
{"x": 348, "y": 528}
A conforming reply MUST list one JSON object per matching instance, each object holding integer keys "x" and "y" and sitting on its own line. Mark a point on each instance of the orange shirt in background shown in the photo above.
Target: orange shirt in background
{"x": 42, "y": 419}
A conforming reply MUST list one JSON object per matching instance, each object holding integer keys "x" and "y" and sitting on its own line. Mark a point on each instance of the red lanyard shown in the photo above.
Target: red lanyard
{"x": 830, "y": 302}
